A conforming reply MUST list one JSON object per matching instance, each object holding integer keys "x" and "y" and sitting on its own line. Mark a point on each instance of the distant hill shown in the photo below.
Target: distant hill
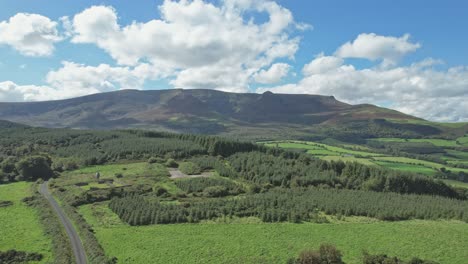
{"x": 259, "y": 116}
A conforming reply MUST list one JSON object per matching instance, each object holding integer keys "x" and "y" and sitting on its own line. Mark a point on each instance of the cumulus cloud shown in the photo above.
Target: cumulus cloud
{"x": 12, "y": 92}
{"x": 322, "y": 64}
{"x": 73, "y": 79}
{"x": 418, "y": 89}
{"x": 30, "y": 34}
{"x": 375, "y": 47}
{"x": 276, "y": 72}
{"x": 195, "y": 39}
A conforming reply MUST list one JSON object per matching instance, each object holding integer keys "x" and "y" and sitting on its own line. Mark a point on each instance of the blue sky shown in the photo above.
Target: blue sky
{"x": 380, "y": 68}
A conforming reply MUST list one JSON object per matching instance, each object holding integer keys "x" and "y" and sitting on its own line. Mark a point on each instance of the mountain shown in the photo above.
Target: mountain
{"x": 266, "y": 115}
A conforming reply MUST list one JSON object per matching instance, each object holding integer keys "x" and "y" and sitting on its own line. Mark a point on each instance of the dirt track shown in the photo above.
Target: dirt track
{"x": 177, "y": 174}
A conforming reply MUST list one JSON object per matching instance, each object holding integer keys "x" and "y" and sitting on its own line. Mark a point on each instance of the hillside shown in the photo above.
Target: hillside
{"x": 215, "y": 112}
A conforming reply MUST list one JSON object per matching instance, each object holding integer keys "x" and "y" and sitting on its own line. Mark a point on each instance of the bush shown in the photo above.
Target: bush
{"x": 5, "y": 203}
{"x": 189, "y": 168}
{"x": 384, "y": 259}
{"x": 327, "y": 254}
{"x": 13, "y": 256}
{"x": 171, "y": 163}
{"x": 155, "y": 160}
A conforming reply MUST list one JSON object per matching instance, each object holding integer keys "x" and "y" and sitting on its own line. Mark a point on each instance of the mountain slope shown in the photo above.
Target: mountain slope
{"x": 214, "y": 112}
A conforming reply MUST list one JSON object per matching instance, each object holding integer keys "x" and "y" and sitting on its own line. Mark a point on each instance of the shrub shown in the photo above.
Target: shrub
{"x": 13, "y": 256}
{"x": 155, "y": 160}
{"x": 189, "y": 168}
{"x": 327, "y": 254}
{"x": 384, "y": 259}
{"x": 5, "y": 203}
{"x": 171, "y": 163}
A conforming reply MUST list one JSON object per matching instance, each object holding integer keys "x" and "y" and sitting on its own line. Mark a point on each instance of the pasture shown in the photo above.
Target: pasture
{"x": 253, "y": 242}
{"x": 20, "y": 227}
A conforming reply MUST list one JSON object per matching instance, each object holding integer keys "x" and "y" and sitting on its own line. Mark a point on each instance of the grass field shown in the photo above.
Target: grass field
{"x": 406, "y": 167}
{"x": 442, "y": 241}
{"x": 140, "y": 172}
{"x": 349, "y": 159}
{"x": 463, "y": 140}
{"x": 435, "y": 142}
{"x": 322, "y": 149}
{"x": 424, "y": 163}
{"x": 20, "y": 228}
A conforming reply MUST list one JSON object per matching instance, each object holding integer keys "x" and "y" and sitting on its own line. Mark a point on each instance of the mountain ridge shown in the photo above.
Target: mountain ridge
{"x": 203, "y": 111}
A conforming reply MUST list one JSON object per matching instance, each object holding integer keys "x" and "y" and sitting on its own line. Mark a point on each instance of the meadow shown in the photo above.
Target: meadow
{"x": 20, "y": 228}
{"x": 253, "y": 242}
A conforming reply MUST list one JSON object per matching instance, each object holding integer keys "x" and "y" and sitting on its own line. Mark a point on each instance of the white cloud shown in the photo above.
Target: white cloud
{"x": 30, "y": 34}
{"x": 73, "y": 79}
{"x": 322, "y": 64}
{"x": 418, "y": 89}
{"x": 375, "y": 47}
{"x": 89, "y": 79}
{"x": 195, "y": 37}
{"x": 276, "y": 72}
{"x": 12, "y": 92}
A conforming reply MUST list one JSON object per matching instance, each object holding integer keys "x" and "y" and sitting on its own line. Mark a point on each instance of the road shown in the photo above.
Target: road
{"x": 77, "y": 246}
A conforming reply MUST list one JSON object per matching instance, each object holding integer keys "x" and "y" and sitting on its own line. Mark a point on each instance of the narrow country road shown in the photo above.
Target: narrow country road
{"x": 77, "y": 246}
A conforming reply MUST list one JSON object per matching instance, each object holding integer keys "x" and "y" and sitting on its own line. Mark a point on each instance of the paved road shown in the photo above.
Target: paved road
{"x": 77, "y": 246}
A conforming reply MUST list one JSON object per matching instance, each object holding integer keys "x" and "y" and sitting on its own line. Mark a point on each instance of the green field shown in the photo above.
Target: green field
{"x": 138, "y": 172}
{"x": 322, "y": 149}
{"x": 20, "y": 228}
{"x": 352, "y": 153}
{"x": 443, "y": 241}
{"x": 463, "y": 140}
{"x": 349, "y": 159}
{"x": 423, "y": 163}
{"x": 435, "y": 142}
{"x": 406, "y": 167}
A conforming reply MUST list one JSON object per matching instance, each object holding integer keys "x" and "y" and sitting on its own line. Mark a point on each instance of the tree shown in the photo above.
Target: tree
{"x": 33, "y": 167}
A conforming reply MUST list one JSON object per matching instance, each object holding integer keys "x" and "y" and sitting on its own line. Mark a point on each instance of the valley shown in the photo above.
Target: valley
{"x": 170, "y": 195}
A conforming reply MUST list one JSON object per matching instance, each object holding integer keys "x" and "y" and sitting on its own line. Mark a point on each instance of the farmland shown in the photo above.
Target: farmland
{"x": 176, "y": 198}
{"x": 20, "y": 226}
{"x": 254, "y": 242}
{"x": 368, "y": 156}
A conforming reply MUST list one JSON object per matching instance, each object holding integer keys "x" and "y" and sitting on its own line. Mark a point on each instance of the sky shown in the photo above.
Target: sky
{"x": 407, "y": 55}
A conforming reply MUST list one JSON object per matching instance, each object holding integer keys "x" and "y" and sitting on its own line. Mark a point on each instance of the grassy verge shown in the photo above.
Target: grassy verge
{"x": 94, "y": 250}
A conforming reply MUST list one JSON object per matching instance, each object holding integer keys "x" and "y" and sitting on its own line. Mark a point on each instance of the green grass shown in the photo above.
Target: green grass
{"x": 463, "y": 140}
{"x": 425, "y": 163}
{"x": 350, "y": 159}
{"x": 109, "y": 170}
{"x": 435, "y": 142}
{"x": 406, "y": 167}
{"x": 457, "y": 183}
{"x": 443, "y": 241}
{"x": 20, "y": 228}
{"x": 139, "y": 172}
{"x": 322, "y": 152}
{"x": 458, "y": 154}
{"x": 320, "y": 149}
